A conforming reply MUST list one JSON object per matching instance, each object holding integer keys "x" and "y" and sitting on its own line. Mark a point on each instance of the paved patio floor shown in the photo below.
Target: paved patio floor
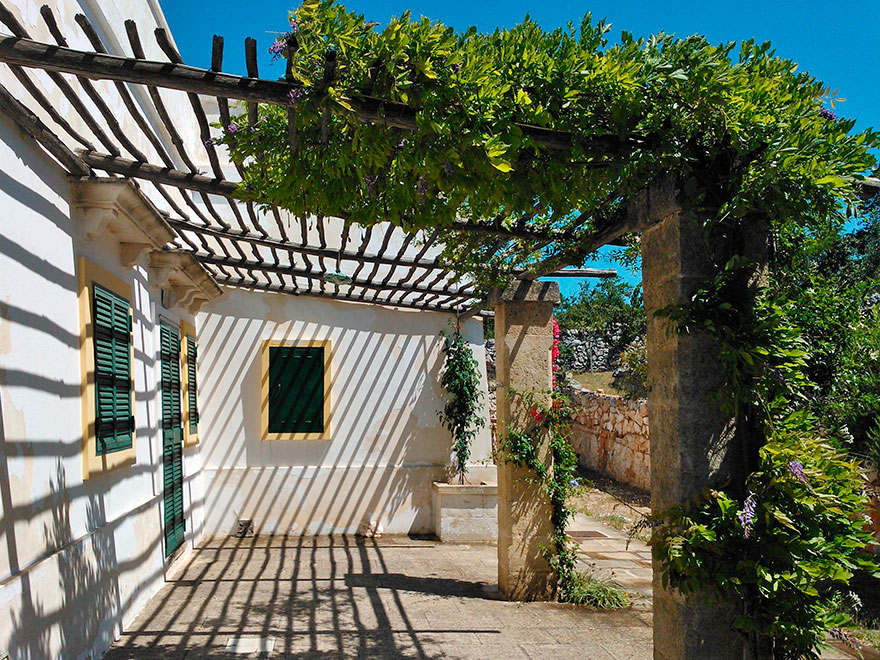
{"x": 393, "y": 597}
{"x": 347, "y": 597}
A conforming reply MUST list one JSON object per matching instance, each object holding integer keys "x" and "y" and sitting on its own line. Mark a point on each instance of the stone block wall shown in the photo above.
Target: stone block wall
{"x": 610, "y": 435}
{"x": 580, "y": 351}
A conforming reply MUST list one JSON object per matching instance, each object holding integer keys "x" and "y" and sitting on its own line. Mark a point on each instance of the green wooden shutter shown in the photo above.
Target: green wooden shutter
{"x": 169, "y": 340}
{"x": 111, "y": 321}
{"x": 296, "y": 389}
{"x": 172, "y": 433}
{"x": 174, "y": 521}
{"x": 192, "y": 397}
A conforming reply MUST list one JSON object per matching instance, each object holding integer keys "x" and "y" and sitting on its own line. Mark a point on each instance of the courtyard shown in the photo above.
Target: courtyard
{"x": 386, "y": 598}
{"x": 355, "y": 597}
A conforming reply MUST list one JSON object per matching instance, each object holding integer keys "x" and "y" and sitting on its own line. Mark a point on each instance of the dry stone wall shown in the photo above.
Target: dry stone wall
{"x": 610, "y": 435}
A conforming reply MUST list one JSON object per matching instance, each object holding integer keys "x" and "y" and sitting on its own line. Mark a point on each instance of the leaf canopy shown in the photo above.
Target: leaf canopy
{"x": 742, "y": 128}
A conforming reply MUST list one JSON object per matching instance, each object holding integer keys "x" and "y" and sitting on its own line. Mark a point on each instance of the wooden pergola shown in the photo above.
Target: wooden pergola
{"x": 238, "y": 243}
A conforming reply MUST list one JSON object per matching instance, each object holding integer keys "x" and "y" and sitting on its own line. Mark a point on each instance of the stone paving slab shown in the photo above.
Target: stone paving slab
{"x": 322, "y": 598}
{"x": 346, "y": 597}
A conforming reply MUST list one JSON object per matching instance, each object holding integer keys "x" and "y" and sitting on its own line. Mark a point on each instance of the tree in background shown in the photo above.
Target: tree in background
{"x": 829, "y": 282}
{"x": 612, "y": 309}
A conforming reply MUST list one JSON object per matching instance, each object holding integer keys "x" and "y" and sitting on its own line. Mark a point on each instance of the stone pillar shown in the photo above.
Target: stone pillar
{"x": 523, "y": 343}
{"x": 691, "y": 441}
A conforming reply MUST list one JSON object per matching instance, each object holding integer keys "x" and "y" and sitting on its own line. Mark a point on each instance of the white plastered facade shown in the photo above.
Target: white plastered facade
{"x": 80, "y": 557}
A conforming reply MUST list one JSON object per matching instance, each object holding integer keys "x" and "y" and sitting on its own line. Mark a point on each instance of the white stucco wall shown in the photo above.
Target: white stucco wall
{"x": 387, "y": 444}
{"x": 78, "y": 559}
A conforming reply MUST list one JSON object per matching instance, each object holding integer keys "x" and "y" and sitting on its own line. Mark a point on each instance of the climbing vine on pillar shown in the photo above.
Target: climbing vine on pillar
{"x": 463, "y": 413}
{"x": 558, "y": 476}
{"x": 774, "y": 543}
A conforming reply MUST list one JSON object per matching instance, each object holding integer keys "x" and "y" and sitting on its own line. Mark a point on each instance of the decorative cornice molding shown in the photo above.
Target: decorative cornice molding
{"x": 117, "y": 206}
{"x": 179, "y": 273}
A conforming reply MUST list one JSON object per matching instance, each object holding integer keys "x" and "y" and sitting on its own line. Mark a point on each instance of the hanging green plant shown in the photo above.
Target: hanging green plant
{"x": 463, "y": 412}
{"x": 746, "y": 131}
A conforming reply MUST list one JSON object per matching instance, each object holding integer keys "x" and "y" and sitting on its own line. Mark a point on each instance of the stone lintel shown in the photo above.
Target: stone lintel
{"x": 527, "y": 291}
{"x": 120, "y": 207}
{"x": 653, "y": 203}
{"x": 180, "y": 273}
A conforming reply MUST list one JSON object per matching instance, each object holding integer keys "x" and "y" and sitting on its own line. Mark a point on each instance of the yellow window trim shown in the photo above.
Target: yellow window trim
{"x": 89, "y": 274}
{"x": 327, "y": 345}
{"x": 186, "y": 330}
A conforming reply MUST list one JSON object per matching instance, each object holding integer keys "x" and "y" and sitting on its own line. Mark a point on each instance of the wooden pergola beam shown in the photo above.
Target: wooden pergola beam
{"x": 599, "y": 273}
{"x": 250, "y": 284}
{"x": 361, "y": 283}
{"x": 596, "y": 239}
{"x": 224, "y": 188}
{"x": 101, "y": 66}
{"x": 33, "y": 126}
{"x": 302, "y": 249}
{"x": 158, "y": 174}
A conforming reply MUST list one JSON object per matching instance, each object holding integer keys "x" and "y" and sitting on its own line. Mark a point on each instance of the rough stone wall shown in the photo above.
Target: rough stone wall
{"x": 610, "y": 435}
{"x": 582, "y": 351}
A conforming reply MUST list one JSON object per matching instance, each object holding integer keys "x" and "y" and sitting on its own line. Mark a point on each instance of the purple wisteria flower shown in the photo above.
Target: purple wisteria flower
{"x": 233, "y": 128}
{"x": 573, "y": 483}
{"x": 797, "y": 470}
{"x": 278, "y": 47}
{"x": 448, "y": 170}
{"x": 294, "y": 25}
{"x": 843, "y": 636}
{"x": 422, "y": 190}
{"x": 209, "y": 142}
{"x": 370, "y": 181}
{"x": 456, "y": 67}
{"x": 746, "y": 517}
{"x": 825, "y": 113}
{"x": 294, "y": 95}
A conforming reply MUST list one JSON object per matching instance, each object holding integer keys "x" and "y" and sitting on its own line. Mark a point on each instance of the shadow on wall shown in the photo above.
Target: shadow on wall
{"x": 86, "y": 582}
{"x": 68, "y": 575}
{"x": 387, "y": 444}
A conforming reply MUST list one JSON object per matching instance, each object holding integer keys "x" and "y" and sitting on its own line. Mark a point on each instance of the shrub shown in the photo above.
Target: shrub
{"x": 586, "y": 589}
{"x": 799, "y": 525}
{"x": 463, "y": 412}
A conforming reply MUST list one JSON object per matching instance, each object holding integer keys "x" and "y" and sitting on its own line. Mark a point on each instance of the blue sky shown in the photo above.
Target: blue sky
{"x": 838, "y": 43}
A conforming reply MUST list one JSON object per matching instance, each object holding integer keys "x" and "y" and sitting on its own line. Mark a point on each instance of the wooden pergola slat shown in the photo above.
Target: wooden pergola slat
{"x": 211, "y": 241}
{"x": 29, "y": 53}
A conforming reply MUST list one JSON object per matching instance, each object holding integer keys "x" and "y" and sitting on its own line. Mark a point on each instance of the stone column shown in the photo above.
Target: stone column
{"x": 691, "y": 441}
{"x": 523, "y": 342}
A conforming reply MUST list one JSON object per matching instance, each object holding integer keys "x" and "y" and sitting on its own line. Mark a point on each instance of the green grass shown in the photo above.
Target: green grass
{"x": 588, "y": 590}
{"x": 618, "y": 522}
{"x": 597, "y": 380}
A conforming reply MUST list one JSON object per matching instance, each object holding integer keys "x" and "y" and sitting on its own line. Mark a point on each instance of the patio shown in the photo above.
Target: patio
{"x": 391, "y": 597}
{"x": 350, "y": 597}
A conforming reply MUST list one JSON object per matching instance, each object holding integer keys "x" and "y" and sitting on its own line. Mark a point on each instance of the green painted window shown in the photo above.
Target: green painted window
{"x": 169, "y": 340}
{"x": 172, "y": 434}
{"x": 172, "y": 475}
{"x": 296, "y": 389}
{"x": 192, "y": 396}
{"x": 114, "y": 421}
